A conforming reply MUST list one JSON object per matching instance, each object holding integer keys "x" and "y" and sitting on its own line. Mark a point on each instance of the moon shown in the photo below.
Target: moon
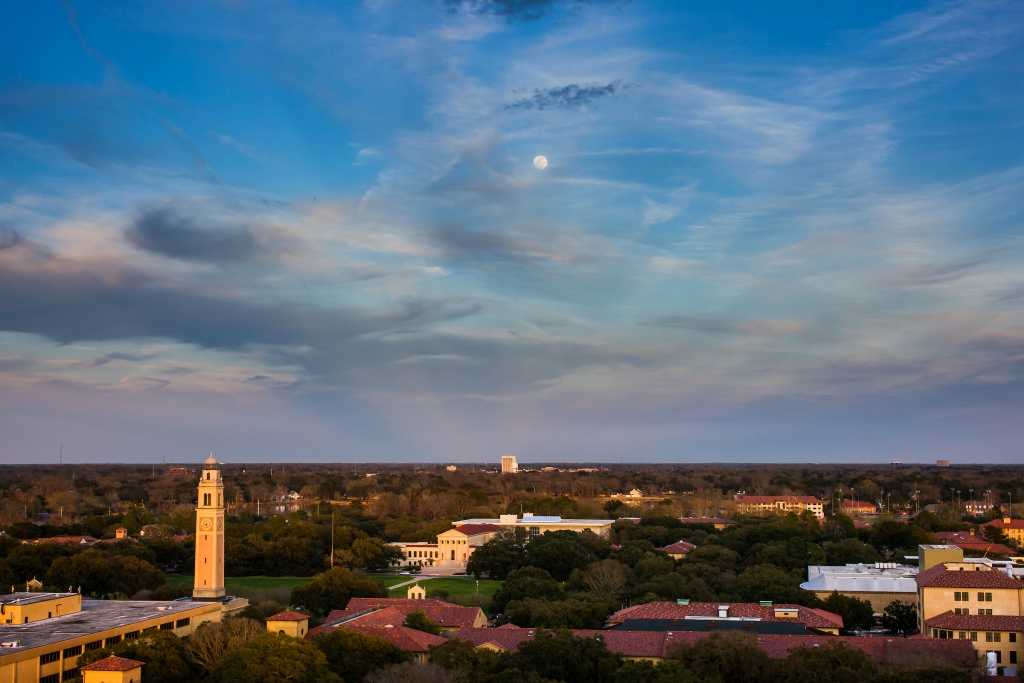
{"x": 540, "y": 162}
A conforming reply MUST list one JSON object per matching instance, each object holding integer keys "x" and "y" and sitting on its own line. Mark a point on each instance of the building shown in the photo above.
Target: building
{"x": 1002, "y": 635}
{"x": 1013, "y": 528}
{"x": 942, "y": 463}
{"x": 977, "y": 508}
{"x": 289, "y": 623}
{"x": 451, "y": 468}
{"x": 881, "y": 583}
{"x": 535, "y": 525}
{"x": 750, "y": 617}
{"x": 968, "y": 542}
{"x": 43, "y": 634}
{"x": 509, "y": 465}
{"x": 678, "y": 550}
{"x": 655, "y": 646}
{"x": 416, "y": 554}
{"x": 856, "y": 508}
{"x": 209, "y": 573}
{"x": 416, "y": 592}
{"x": 391, "y": 612}
{"x": 761, "y": 505}
{"x": 113, "y": 670}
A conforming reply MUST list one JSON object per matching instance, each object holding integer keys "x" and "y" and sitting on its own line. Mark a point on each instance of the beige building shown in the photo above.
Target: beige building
{"x": 763, "y": 505}
{"x": 289, "y": 623}
{"x": 415, "y": 554}
{"x": 509, "y": 465}
{"x": 881, "y": 583}
{"x": 1013, "y": 528}
{"x": 535, "y": 525}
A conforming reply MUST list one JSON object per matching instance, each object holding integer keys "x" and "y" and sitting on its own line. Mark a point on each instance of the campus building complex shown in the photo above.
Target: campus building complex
{"x": 42, "y": 635}
{"x": 762, "y": 505}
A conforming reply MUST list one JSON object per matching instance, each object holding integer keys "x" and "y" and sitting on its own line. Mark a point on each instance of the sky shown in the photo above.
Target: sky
{"x": 286, "y": 230}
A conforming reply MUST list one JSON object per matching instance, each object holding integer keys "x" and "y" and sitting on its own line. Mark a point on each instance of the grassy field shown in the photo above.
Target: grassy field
{"x": 453, "y": 584}
{"x": 252, "y": 582}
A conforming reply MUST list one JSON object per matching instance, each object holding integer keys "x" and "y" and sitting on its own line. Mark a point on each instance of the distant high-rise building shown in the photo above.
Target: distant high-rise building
{"x": 508, "y": 464}
{"x": 942, "y": 463}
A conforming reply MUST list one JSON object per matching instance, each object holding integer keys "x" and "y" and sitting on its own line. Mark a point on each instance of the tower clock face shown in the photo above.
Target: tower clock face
{"x": 206, "y": 524}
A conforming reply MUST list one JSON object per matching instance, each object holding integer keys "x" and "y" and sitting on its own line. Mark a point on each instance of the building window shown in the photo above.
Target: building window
{"x": 962, "y": 635}
{"x": 984, "y": 597}
{"x": 974, "y": 636}
{"x": 959, "y": 597}
{"x": 49, "y": 657}
{"x": 167, "y": 626}
{"x": 72, "y": 651}
{"x": 1013, "y": 637}
{"x": 113, "y": 640}
{"x": 534, "y": 531}
{"x": 988, "y": 637}
{"x": 70, "y": 674}
{"x": 94, "y": 645}
{"x": 52, "y": 678}
{"x": 131, "y": 635}
{"x": 1013, "y": 656}
{"x": 183, "y": 622}
{"x": 985, "y": 611}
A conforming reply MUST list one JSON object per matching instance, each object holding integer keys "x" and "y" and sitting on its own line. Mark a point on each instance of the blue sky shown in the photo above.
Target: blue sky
{"x": 314, "y": 231}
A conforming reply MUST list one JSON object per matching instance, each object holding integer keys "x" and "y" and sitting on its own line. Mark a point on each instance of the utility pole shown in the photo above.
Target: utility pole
{"x": 332, "y": 539}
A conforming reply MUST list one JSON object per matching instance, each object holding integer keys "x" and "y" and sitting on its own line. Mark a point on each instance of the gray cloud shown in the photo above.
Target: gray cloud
{"x": 717, "y": 325}
{"x": 8, "y": 238}
{"x": 459, "y": 242}
{"x": 526, "y": 10}
{"x": 165, "y": 232}
{"x": 566, "y": 96}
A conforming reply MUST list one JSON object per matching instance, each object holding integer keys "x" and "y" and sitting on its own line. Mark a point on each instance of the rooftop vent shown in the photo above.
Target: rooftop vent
{"x": 683, "y": 601}
{"x": 163, "y": 608}
{"x": 723, "y": 611}
{"x": 766, "y": 603}
{"x": 11, "y": 643}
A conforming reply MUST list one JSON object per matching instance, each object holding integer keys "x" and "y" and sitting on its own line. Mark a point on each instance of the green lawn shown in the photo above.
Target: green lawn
{"x": 453, "y": 584}
{"x": 256, "y": 582}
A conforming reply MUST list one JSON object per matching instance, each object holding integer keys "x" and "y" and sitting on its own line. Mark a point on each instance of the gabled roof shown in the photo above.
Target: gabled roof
{"x": 1002, "y": 524}
{"x": 477, "y": 529}
{"x": 678, "y": 548}
{"x": 287, "y": 616}
{"x": 367, "y": 611}
{"x": 402, "y": 637}
{"x": 812, "y": 618}
{"x": 940, "y": 577}
{"x": 113, "y": 663}
{"x": 976, "y": 622}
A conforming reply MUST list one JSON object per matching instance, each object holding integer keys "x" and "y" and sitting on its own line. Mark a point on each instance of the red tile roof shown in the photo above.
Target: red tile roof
{"x": 813, "y": 618}
{"x": 287, "y": 616}
{"x": 940, "y": 577}
{"x": 477, "y": 529}
{"x": 81, "y": 540}
{"x": 444, "y": 613}
{"x": 113, "y": 663}
{"x": 402, "y": 637}
{"x": 968, "y": 541}
{"x": 977, "y": 622}
{"x": 678, "y": 548}
{"x": 1002, "y": 524}
{"x": 655, "y": 644}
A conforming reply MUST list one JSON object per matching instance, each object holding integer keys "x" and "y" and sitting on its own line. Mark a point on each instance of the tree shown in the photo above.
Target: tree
{"x": 559, "y": 557}
{"x": 461, "y": 656}
{"x": 834, "y": 663}
{"x": 274, "y": 658}
{"x": 934, "y": 674}
{"x": 497, "y": 557}
{"x": 900, "y": 617}
{"x": 578, "y": 611}
{"x": 528, "y": 582}
{"x": 100, "y": 573}
{"x": 211, "y": 642}
{"x": 162, "y": 651}
{"x": 419, "y": 621}
{"x": 850, "y": 551}
{"x": 856, "y": 613}
{"x": 332, "y": 590}
{"x": 995, "y": 534}
{"x": 353, "y": 655}
{"x": 727, "y": 657}
{"x": 564, "y": 657}
{"x": 410, "y": 672}
{"x": 668, "y": 671}
{"x": 606, "y": 579}
{"x": 768, "y": 582}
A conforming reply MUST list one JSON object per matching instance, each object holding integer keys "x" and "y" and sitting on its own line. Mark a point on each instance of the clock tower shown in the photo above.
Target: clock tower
{"x": 209, "y": 575}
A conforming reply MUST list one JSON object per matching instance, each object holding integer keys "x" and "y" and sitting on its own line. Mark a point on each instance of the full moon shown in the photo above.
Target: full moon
{"x": 540, "y": 162}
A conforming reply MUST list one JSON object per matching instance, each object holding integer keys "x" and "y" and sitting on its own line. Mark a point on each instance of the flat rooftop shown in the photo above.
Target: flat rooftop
{"x": 534, "y": 521}
{"x": 96, "y": 616}
{"x": 30, "y": 598}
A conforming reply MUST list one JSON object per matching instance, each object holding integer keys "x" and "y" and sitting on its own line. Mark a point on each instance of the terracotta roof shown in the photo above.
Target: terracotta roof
{"x": 113, "y": 663}
{"x": 977, "y": 622}
{"x": 654, "y": 644}
{"x": 940, "y": 577}
{"x": 287, "y": 616}
{"x": 813, "y": 618}
{"x": 678, "y": 548}
{"x": 477, "y": 529}
{"x": 968, "y": 541}
{"x": 1001, "y": 524}
{"x": 775, "y": 499}
{"x": 402, "y": 637}
{"x": 367, "y": 610}
{"x": 82, "y": 540}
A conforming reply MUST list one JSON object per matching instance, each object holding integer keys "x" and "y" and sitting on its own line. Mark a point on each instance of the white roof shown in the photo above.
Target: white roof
{"x": 537, "y": 521}
{"x": 861, "y": 578}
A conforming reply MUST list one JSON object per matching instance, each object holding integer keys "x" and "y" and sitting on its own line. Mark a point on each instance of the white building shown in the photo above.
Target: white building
{"x": 535, "y": 525}
{"x": 509, "y": 465}
{"x": 880, "y": 583}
